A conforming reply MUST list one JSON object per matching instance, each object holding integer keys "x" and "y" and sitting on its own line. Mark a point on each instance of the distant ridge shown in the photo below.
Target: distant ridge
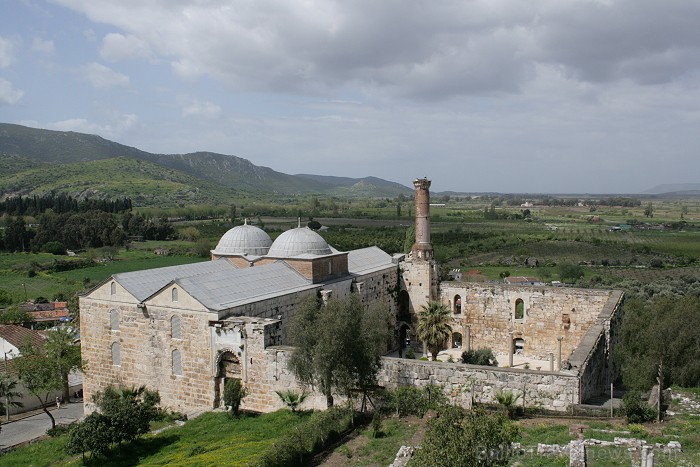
{"x": 690, "y": 188}
{"x": 23, "y": 149}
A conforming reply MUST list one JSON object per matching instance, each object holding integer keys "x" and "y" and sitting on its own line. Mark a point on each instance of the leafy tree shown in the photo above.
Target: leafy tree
{"x": 292, "y": 399}
{"x": 234, "y": 393}
{"x": 434, "y": 326}
{"x": 410, "y": 238}
{"x": 62, "y": 349}
{"x": 93, "y": 434}
{"x": 39, "y": 375}
{"x": 55, "y": 248}
{"x": 649, "y": 210}
{"x": 479, "y": 357}
{"x": 14, "y": 315}
{"x": 314, "y": 225}
{"x": 456, "y": 438}
{"x": 123, "y": 414}
{"x": 130, "y": 410}
{"x": 8, "y": 392}
{"x": 636, "y": 409}
{"x": 338, "y": 345}
{"x": 570, "y": 272}
{"x": 5, "y": 298}
{"x": 662, "y": 332}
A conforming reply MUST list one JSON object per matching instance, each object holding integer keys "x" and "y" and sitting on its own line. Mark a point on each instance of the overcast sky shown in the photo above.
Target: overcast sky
{"x": 483, "y": 95}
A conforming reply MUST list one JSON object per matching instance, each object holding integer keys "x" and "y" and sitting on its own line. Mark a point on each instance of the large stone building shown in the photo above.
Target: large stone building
{"x": 185, "y": 329}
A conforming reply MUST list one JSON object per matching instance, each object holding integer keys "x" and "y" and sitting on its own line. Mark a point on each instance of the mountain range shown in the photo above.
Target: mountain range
{"x": 36, "y": 161}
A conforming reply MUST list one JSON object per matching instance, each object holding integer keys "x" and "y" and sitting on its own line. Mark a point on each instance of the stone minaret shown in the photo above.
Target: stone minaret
{"x": 422, "y": 249}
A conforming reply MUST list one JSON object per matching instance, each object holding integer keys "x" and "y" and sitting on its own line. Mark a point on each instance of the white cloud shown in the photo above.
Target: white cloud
{"x": 6, "y": 52}
{"x": 42, "y": 46}
{"x": 420, "y": 49}
{"x": 8, "y": 94}
{"x": 203, "y": 109}
{"x": 119, "y": 47}
{"x": 115, "y": 129}
{"x": 103, "y": 77}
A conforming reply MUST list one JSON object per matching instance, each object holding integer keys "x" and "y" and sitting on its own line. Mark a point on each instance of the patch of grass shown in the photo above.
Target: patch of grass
{"x": 49, "y": 451}
{"x": 211, "y": 439}
{"x": 545, "y": 433}
{"x": 382, "y": 450}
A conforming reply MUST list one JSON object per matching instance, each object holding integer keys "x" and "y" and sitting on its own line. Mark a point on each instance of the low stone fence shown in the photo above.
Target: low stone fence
{"x": 551, "y": 390}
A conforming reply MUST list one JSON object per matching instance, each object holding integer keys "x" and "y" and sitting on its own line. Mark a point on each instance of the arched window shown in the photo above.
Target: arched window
{"x": 456, "y": 340}
{"x": 330, "y": 267}
{"x": 116, "y": 354}
{"x": 177, "y": 362}
{"x": 518, "y": 345}
{"x": 457, "y": 307}
{"x": 519, "y": 309}
{"x": 173, "y": 294}
{"x": 114, "y": 320}
{"x": 175, "y": 327}
{"x": 113, "y": 288}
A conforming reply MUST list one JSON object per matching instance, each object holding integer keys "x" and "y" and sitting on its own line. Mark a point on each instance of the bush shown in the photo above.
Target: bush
{"x": 410, "y": 353}
{"x": 305, "y": 440}
{"x": 58, "y": 430}
{"x": 411, "y": 400}
{"x": 55, "y": 248}
{"x": 637, "y": 410}
{"x": 233, "y": 394}
{"x": 479, "y": 357}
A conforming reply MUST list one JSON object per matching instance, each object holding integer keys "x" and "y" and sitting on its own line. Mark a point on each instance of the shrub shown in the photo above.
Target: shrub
{"x": 479, "y": 357}
{"x": 410, "y": 353}
{"x": 233, "y": 394}
{"x": 411, "y": 400}
{"x": 55, "y": 248}
{"x": 302, "y": 442}
{"x": 637, "y": 410}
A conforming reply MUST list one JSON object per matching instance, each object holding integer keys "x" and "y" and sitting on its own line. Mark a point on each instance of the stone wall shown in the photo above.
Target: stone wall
{"x": 146, "y": 347}
{"x": 268, "y": 372}
{"x": 549, "y": 312}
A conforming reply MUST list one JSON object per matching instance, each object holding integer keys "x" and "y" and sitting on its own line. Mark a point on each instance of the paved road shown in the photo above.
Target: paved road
{"x": 30, "y": 428}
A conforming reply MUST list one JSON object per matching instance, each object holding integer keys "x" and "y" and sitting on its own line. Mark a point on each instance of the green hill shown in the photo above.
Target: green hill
{"x": 147, "y": 184}
{"x": 23, "y": 148}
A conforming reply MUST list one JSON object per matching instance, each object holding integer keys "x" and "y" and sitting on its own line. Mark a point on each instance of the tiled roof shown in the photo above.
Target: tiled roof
{"x": 19, "y": 336}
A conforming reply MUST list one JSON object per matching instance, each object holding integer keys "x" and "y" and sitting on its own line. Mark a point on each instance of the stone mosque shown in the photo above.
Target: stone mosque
{"x": 184, "y": 330}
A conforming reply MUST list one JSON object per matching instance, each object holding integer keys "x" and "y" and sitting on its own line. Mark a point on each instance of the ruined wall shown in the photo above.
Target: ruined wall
{"x": 268, "y": 372}
{"x": 593, "y": 357}
{"x": 549, "y": 312}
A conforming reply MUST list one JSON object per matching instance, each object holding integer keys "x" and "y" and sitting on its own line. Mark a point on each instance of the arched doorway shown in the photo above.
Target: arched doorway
{"x": 228, "y": 367}
{"x": 518, "y": 345}
{"x": 456, "y": 340}
{"x": 403, "y": 321}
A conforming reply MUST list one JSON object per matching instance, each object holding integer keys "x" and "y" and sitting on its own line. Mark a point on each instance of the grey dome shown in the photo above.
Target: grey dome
{"x": 243, "y": 240}
{"x": 299, "y": 241}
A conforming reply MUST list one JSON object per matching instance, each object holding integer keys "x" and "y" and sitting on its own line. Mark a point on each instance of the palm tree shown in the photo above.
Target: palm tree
{"x": 292, "y": 398}
{"x": 507, "y": 399}
{"x": 8, "y": 393}
{"x": 434, "y": 326}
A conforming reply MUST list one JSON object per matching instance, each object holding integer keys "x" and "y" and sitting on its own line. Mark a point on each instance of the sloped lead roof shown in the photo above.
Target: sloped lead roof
{"x": 143, "y": 284}
{"x": 241, "y": 286}
{"x": 367, "y": 260}
{"x": 217, "y": 285}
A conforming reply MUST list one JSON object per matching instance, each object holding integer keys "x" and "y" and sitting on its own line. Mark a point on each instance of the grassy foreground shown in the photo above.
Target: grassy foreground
{"x": 212, "y": 439}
